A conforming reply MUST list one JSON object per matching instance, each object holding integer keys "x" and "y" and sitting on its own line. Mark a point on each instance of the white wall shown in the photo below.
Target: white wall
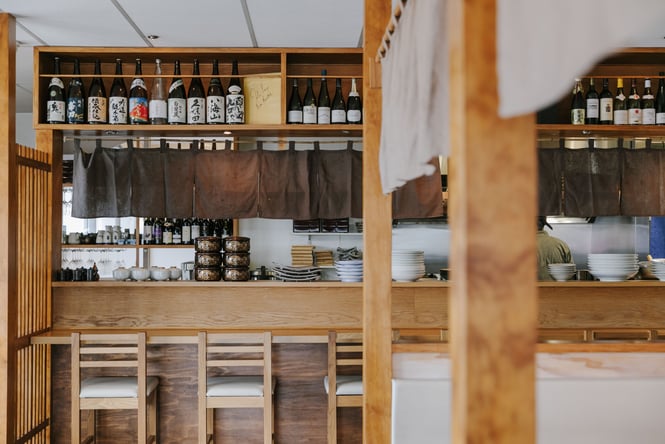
{"x": 25, "y": 134}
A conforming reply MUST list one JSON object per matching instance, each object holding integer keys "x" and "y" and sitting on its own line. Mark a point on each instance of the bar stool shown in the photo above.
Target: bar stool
{"x": 222, "y": 384}
{"x": 109, "y": 373}
{"x": 345, "y": 361}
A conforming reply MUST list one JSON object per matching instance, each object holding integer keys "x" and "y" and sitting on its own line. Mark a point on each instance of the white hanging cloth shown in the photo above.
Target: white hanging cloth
{"x": 542, "y": 45}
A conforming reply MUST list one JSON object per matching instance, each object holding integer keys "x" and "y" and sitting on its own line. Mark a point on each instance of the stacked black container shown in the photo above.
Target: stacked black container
{"x": 236, "y": 258}
{"x": 208, "y": 259}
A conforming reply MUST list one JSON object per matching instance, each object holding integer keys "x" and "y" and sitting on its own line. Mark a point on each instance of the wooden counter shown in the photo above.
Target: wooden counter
{"x": 324, "y": 305}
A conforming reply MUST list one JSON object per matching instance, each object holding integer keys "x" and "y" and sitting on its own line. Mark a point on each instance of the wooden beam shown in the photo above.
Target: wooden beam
{"x": 377, "y": 214}
{"x": 8, "y": 222}
{"x": 493, "y": 225}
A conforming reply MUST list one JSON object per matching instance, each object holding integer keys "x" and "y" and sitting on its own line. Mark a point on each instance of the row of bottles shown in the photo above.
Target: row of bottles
{"x": 322, "y": 111}
{"x": 172, "y": 231}
{"x": 619, "y": 109}
{"x": 136, "y": 106}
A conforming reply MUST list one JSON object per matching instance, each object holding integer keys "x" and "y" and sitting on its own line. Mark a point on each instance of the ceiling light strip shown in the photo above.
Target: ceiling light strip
{"x": 141, "y": 34}
{"x": 248, "y": 20}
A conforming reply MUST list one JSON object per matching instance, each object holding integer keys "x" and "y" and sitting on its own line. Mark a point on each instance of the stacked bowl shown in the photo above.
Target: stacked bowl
{"x": 562, "y": 272}
{"x": 657, "y": 267}
{"x": 350, "y": 270}
{"x": 612, "y": 267}
{"x": 408, "y": 265}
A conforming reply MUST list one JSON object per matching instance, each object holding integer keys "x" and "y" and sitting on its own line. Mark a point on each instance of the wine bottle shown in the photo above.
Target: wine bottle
{"x": 196, "y": 229}
{"x": 235, "y": 100}
{"x": 577, "y": 107}
{"x": 55, "y": 105}
{"x": 660, "y": 100}
{"x": 187, "y": 231}
{"x": 147, "y": 231}
{"x": 620, "y": 105}
{"x": 215, "y": 109}
{"x": 97, "y": 97}
{"x": 167, "y": 233}
{"x": 76, "y": 97}
{"x": 354, "y": 107}
{"x": 196, "y": 98}
{"x": 294, "y": 112}
{"x": 177, "y": 232}
{"x": 323, "y": 111}
{"x": 138, "y": 97}
{"x": 648, "y": 105}
{"x": 118, "y": 97}
{"x": 592, "y": 104}
{"x": 309, "y": 113}
{"x": 634, "y": 106}
{"x": 157, "y": 232}
{"x": 177, "y": 101}
{"x": 157, "y": 106}
{"x": 338, "y": 111}
{"x": 606, "y": 104}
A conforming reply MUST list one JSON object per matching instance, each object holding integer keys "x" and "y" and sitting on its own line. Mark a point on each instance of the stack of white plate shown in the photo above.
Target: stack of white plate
{"x": 350, "y": 270}
{"x": 612, "y": 267}
{"x": 290, "y": 273}
{"x": 561, "y": 272}
{"x": 408, "y": 265}
{"x": 657, "y": 267}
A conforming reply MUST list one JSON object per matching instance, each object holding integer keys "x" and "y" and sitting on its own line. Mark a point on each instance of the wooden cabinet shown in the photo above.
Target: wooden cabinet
{"x": 284, "y": 64}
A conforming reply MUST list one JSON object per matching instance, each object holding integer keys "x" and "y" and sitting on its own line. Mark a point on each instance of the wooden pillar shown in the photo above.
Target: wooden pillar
{"x": 377, "y": 244}
{"x": 8, "y": 211}
{"x": 493, "y": 226}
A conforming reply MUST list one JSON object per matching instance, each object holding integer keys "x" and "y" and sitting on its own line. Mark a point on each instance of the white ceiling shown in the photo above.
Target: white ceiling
{"x": 183, "y": 23}
{"x": 178, "y": 23}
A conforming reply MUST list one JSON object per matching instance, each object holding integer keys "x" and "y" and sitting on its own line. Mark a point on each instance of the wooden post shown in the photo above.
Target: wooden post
{"x": 8, "y": 222}
{"x": 493, "y": 225}
{"x": 377, "y": 214}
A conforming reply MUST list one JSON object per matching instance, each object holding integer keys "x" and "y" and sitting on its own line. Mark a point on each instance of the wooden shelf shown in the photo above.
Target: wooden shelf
{"x": 595, "y": 131}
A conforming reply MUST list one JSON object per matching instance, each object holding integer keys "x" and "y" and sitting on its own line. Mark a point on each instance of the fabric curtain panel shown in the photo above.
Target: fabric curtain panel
{"x": 179, "y": 167}
{"x": 592, "y": 182}
{"x": 549, "y": 181}
{"x": 356, "y": 182}
{"x": 285, "y": 179}
{"x": 226, "y": 184}
{"x": 642, "y": 183}
{"x": 101, "y": 182}
{"x": 148, "y": 199}
{"x": 420, "y": 197}
{"x": 334, "y": 170}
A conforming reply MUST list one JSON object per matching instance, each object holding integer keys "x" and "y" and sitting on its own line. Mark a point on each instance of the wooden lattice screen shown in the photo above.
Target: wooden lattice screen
{"x": 33, "y": 298}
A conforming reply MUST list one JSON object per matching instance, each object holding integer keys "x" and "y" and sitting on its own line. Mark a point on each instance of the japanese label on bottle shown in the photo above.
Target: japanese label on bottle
{"x": 635, "y": 116}
{"x": 592, "y": 106}
{"x": 75, "y": 110}
{"x": 97, "y": 109}
{"x": 177, "y": 111}
{"x": 294, "y": 116}
{"x": 649, "y": 116}
{"x": 606, "y": 106}
{"x": 196, "y": 109}
{"x": 138, "y": 83}
{"x": 214, "y": 110}
{"x": 117, "y": 110}
{"x": 157, "y": 109}
{"x": 309, "y": 114}
{"x": 55, "y": 111}
{"x": 620, "y": 117}
{"x": 235, "y": 106}
{"x": 577, "y": 116}
{"x": 323, "y": 115}
{"x": 138, "y": 109}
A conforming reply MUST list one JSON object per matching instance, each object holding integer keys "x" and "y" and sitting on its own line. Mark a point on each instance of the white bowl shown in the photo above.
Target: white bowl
{"x": 121, "y": 274}
{"x": 159, "y": 274}
{"x": 175, "y": 273}
{"x": 139, "y": 273}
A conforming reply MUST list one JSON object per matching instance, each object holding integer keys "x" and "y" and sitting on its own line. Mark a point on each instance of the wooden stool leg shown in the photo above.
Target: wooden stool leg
{"x": 210, "y": 426}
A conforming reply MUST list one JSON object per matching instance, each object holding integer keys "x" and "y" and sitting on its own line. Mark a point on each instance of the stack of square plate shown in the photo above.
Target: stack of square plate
{"x": 289, "y": 273}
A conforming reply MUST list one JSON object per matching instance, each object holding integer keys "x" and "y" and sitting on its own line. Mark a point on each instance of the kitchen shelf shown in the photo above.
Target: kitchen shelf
{"x": 596, "y": 131}
{"x": 327, "y": 234}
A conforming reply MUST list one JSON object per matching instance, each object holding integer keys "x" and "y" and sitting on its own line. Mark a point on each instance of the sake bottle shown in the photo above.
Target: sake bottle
{"x": 76, "y": 97}
{"x": 177, "y": 101}
{"x": 215, "y": 109}
{"x": 118, "y": 97}
{"x": 138, "y": 97}
{"x": 55, "y": 105}
{"x": 97, "y": 102}
{"x": 196, "y": 98}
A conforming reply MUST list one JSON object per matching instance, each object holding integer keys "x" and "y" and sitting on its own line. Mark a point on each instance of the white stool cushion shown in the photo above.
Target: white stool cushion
{"x": 347, "y": 385}
{"x": 236, "y": 386}
{"x": 115, "y": 386}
